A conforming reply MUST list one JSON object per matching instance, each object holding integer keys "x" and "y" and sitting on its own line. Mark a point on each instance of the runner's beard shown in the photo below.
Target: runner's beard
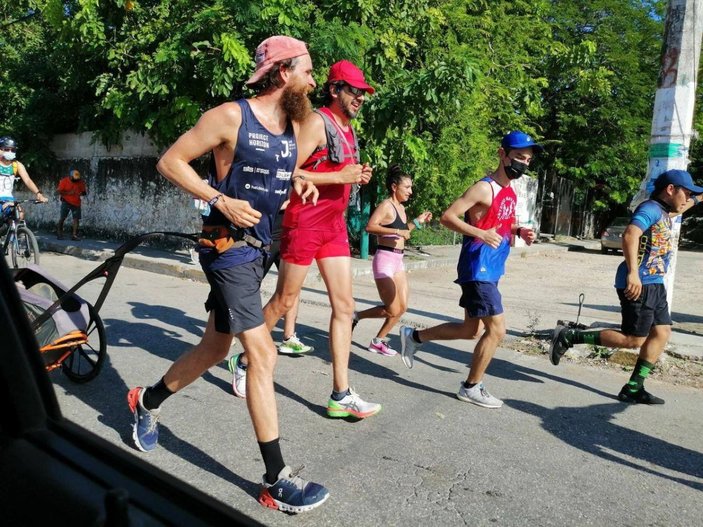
{"x": 295, "y": 102}
{"x": 349, "y": 111}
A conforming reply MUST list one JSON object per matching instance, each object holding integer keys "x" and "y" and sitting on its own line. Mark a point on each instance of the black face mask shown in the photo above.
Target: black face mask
{"x": 515, "y": 169}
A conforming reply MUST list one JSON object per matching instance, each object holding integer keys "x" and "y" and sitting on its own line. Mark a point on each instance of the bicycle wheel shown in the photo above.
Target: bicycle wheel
{"x": 86, "y": 360}
{"x": 25, "y": 249}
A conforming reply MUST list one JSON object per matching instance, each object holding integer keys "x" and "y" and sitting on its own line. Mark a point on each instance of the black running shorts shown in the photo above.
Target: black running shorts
{"x": 235, "y": 297}
{"x": 650, "y": 309}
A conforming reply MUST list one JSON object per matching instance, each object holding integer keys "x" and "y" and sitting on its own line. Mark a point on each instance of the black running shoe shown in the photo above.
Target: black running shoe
{"x": 641, "y": 396}
{"x": 559, "y": 344}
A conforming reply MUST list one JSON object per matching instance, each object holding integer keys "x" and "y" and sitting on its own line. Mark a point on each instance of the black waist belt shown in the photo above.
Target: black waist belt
{"x": 390, "y": 249}
{"x": 240, "y": 238}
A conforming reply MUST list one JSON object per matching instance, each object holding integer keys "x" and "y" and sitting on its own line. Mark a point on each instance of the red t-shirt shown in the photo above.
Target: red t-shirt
{"x": 71, "y": 191}
{"x": 328, "y": 214}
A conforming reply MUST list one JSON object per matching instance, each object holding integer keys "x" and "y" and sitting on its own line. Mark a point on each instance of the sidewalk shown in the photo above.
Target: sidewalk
{"x": 179, "y": 264}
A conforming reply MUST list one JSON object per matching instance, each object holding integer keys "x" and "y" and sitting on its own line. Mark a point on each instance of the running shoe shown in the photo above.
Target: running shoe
{"x": 293, "y": 346}
{"x": 478, "y": 395}
{"x": 381, "y": 347}
{"x": 408, "y": 346}
{"x": 146, "y": 422}
{"x": 352, "y": 405}
{"x": 239, "y": 376}
{"x": 559, "y": 344}
{"x": 291, "y": 493}
{"x": 641, "y": 396}
{"x": 355, "y": 320}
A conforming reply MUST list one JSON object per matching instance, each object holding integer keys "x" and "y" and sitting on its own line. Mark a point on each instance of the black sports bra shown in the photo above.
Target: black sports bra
{"x": 397, "y": 223}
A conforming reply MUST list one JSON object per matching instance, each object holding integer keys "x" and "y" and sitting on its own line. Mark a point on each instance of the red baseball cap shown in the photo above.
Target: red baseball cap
{"x": 346, "y": 71}
{"x": 274, "y": 49}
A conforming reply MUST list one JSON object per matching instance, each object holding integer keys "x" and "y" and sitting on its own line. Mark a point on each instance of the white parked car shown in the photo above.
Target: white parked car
{"x": 611, "y": 239}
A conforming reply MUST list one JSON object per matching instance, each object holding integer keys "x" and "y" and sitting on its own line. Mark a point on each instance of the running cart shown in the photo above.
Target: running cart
{"x": 69, "y": 330}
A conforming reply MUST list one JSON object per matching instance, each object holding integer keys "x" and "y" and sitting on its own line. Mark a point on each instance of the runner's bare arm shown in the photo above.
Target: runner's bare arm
{"x": 217, "y": 128}
{"x": 302, "y": 187}
{"x": 630, "y": 245}
{"x": 453, "y": 218}
{"x": 310, "y": 137}
{"x": 382, "y": 214}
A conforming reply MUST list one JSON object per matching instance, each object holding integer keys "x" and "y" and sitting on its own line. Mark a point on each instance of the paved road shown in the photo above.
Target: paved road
{"x": 562, "y": 451}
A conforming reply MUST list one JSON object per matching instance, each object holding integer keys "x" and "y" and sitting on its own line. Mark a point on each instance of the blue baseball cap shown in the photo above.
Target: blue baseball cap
{"x": 517, "y": 139}
{"x": 678, "y": 178}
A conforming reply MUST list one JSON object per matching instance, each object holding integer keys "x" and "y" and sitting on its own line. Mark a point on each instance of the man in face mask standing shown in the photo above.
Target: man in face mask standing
{"x": 485, "y": 215}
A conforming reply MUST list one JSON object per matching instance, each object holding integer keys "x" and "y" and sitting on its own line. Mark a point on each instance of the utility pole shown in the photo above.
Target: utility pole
{"x": 674, "y": 105}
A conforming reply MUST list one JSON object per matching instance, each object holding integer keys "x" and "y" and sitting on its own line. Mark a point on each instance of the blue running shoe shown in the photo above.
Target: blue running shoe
{"x": 146, "y": 422}
{"x": 291, "y": 493}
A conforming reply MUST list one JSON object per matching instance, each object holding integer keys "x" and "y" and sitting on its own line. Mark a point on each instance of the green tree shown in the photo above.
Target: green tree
{"x": 452, "y": 77}
{"x": 600, "y": 95}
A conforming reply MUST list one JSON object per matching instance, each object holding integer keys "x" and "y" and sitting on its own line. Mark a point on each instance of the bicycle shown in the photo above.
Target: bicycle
{"x": 19, "y": 241}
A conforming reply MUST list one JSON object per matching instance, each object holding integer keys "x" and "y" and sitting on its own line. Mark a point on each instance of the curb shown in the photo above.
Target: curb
{"x": 160, "y": 261}
{"x": 166, "y": 263}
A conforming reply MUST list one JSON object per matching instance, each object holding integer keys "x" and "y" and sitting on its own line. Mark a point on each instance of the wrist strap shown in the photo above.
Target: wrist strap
{"x": 518, "y": 232}
{"x": 214, "y": 200}
{"x": 417, "y": 223}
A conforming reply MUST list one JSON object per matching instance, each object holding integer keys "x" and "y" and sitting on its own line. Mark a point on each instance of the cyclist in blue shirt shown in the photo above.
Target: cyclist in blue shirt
{"x": 646, "y": 322}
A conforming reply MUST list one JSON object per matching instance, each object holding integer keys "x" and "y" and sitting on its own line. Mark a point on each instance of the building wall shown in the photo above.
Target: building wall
{"x": 527, "y": 213}
{"x": 126, "y": 195}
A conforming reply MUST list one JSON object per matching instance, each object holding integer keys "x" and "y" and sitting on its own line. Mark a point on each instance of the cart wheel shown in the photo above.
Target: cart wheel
{"x": 87, "y": 360}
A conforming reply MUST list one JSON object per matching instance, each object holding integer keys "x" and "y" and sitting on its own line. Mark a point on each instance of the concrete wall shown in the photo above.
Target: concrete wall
{"x": 126, "y": 195}
{"x": 527, "y": 213}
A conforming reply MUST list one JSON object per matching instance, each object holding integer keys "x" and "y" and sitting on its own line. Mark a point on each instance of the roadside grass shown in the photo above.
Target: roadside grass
{"x": 670, "y": 368}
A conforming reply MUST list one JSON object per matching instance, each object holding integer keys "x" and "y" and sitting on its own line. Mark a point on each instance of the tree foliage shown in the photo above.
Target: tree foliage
{"x": 452, "y": 77}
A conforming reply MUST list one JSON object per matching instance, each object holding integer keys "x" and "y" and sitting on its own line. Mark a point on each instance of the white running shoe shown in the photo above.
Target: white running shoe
{"x": 352, "y": 405}
{"x": 239, "y": 377}
{"x": 293, "y": 346}
{"x": 408, "y": 346}
{"x": 478, "y": 395}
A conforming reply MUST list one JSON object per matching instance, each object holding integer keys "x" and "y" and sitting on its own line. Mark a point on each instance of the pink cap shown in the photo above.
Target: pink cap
{"x": 345, "y": 71}
{"x": 275, "y": 49}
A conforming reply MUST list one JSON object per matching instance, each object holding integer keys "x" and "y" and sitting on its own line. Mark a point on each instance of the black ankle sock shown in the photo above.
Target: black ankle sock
{"x": 240, "y": 363}
{"x": 273, "y": 460}
{"x": 469, "y": 385}
{"x": 416, "y": 336}
{"x": 575, "y": 336}
{"x": 155, "y": 395}
{"x": 338, "y": 396}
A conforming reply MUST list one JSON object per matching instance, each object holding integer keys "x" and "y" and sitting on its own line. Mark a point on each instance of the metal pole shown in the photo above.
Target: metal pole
{"x": 674, "y": 104}
{"x": 365, "y": 214}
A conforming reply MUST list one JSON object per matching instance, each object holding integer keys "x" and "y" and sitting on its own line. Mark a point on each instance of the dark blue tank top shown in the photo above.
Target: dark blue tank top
{"x": 260, "y": 174}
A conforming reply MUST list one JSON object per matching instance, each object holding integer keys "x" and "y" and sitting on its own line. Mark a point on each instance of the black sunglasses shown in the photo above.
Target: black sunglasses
{"x": 356, "y": 92}
{"x": 8, "y": 149}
